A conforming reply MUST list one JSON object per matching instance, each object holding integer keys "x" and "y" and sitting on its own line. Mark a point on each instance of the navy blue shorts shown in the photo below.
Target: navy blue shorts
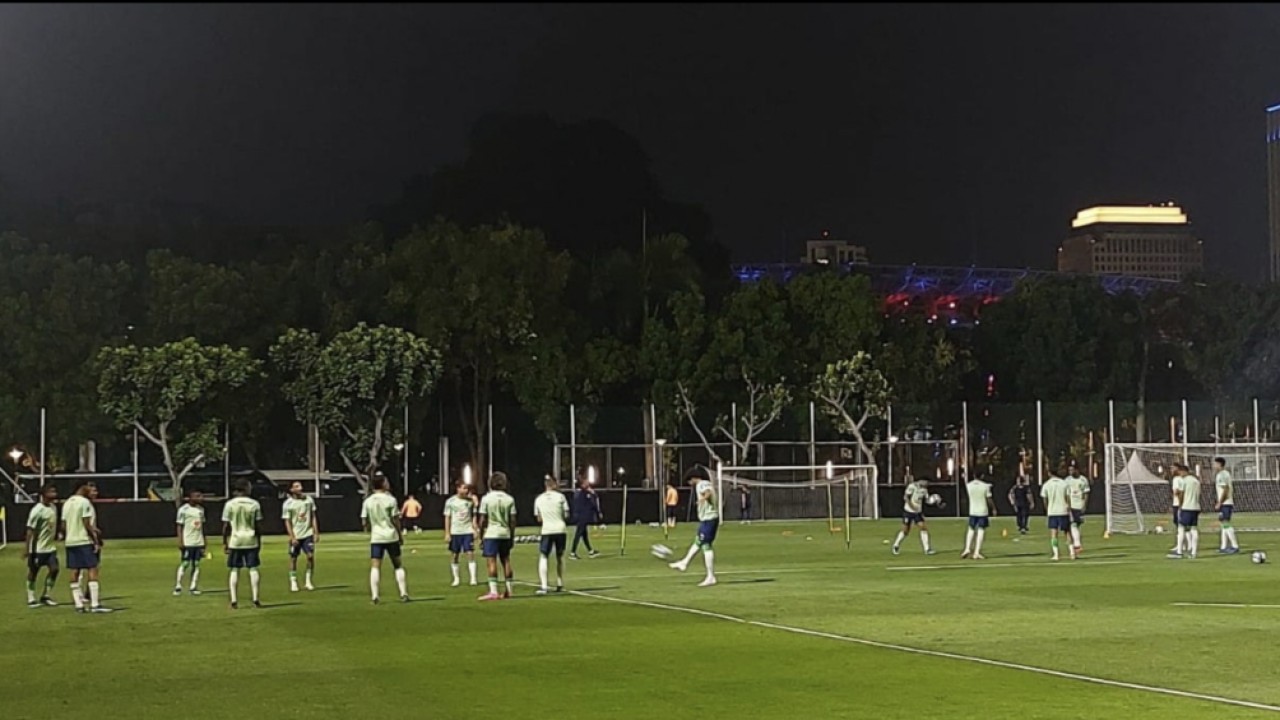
{"x": 910, "y": 518}
{"x": 305, "y": 545}
{"x": 1060, "y": 522}
{"x": 82, "y": 557}
{"x": 979, "y": 521}
{"x": 1189, "y": 518}
{"x": 1225, "y": 513}
{"x": 193, "y": 554}
{"x": 391, "y": 550}
{"x": 35, "y": 561}
{"x": 462, "y": 543}
{"x": 248, "y": 558}
{"x": 707, "y": 530}
{"x": 1077, "y": 517}
{"x": 554, "y": 541}
{"x": 496, "y": 547}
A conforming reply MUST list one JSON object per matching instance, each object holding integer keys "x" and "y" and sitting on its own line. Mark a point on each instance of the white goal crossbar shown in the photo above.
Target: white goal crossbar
{"x": 796, "y": 492}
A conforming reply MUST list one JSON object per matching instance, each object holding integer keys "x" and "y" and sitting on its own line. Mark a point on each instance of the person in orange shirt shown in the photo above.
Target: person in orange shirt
{"x": 411, "y": 511}
{"x": 673, "y": 503}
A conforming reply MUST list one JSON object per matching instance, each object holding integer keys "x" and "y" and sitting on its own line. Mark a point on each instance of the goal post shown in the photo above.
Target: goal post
{"x": 1139, "y": 492}
{"x": 838, "y": 494}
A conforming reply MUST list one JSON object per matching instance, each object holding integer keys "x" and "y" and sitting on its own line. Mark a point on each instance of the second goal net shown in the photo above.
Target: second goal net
{"x": 835, "y": 493}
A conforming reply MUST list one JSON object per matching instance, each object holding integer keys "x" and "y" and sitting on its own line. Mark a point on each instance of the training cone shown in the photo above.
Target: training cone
{"x": 1004, "y": 532}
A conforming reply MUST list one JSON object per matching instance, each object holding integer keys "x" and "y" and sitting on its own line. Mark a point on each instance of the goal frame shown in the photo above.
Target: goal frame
{"x": 825, "y": 475}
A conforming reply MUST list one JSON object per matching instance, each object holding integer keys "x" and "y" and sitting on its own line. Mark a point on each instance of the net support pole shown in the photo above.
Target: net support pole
{"x": 1108, "y": 466}
{"x": 573, "y": 445}
{"x": 406, "y": 450}
{"x": 889, "y": 429}
{"x": 489, "y": 422}
{"x": 813, "y": 439}
{"x": 733, "y": 423}
{"x": 964, "y": 438}
{"x": 316, "y": 454}
{"x": 1257, "y": 443}
{"x": 1039, "y": 444}
{"x": 848, "y": 531}
{"x": 1217, "y": 432}
{"x": 135, "y": 464}
{"x": 1186, "y": 452}
{"x": 226, "y": 460}
{"x": 622, "y": 542}
{"x": 43, "y": 417}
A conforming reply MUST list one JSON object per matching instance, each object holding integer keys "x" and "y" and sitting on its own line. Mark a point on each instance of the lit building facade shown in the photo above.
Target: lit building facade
{"x": 1134, "y": 241}
{"x": 826, "y": 251}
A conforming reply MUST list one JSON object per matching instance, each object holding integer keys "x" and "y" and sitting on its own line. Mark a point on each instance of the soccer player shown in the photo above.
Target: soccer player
{"x": 913, "y": 514}
{"x": 498, "y": 527}
{"x": 586, "y": 510}
{"x": 1077, "y": 500}
{"x": 708, "y": 525}
{"x": 1023, "y": 502}
{"x": 552, "y": 510}
{"x": 40, "y": 549}
{"x": 744, "y": 504}
{"x": 1058, "y": 508}
{"x": 242, "y": 541}
{"x": 191, "y": 542}
{"x": 981, "y": 508}
{"x": 460, "y": 529}
{"x": 380, "y": 516}
{"x": 1225, "y": 506}
{"x": 83, "y": 545}
{"x": 304, "y": 532}
{"x": 411, "y": 511}
{"x": 1177, "y": 515}
{"x": 673, "y": 503}
{"x": 1186, "y": 488}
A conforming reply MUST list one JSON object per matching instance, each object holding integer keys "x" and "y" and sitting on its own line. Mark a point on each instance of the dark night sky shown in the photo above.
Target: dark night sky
{"x": 933, "y": 134}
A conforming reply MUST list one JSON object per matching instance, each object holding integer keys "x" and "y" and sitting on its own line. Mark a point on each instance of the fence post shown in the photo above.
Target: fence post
{"x": 1257, "y": 443}
{"x": 1039, "y": 444}
{"x": 1186, "y": 453}
{"x": 573, "y": 446}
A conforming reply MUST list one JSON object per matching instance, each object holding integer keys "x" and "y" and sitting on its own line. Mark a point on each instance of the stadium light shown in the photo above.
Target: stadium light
{"x": 951, "y": 466}
{"x": 893, "y": 438}
{"x": 591, "y": 474}
{"x": 399, "y": 447}
{"x": 831, "y": 470}
{"x": 622, "y": 471}
{"x": 661, "y": 441}
{"x": 466, "y": 474}
{"x": 16, "y": 455}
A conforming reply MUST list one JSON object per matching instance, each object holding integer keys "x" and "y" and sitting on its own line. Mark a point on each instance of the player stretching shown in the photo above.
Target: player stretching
{"x": 242, "y": 541}
{"x": 1186, "y": 487}
{"x": 1225, "y": 506}
{"x": 981, "y": 508}
{"x": 83, "y": 544}
{"x": 304, "y": 532}
{"x": 191, "y": 543}
{"x": 40, "y": 549}
{"x": 380, "y": 516}
{"x": 552, "y": 510}
{"x": 708, "y": 525}
{"x": 1077, "y": 500}
{"x": 1058, "y": 508}
{"x": 498, "y": 525}
{"x": 460, "y": 529}
{"x": 913, "y": 514}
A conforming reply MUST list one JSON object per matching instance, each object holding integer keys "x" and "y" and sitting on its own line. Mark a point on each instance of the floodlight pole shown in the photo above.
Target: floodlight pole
{"x": 889, "y": 425}
{"x": 573, "y": 445}
{"x": 1257, "y": 443}
{"x": 1186, "y": 452}
{"x": 1039, "y": 444}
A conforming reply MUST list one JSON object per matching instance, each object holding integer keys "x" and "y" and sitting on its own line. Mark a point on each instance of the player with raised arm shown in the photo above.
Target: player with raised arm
{"x": 1186, "y": 488}
{"x": 242, "y": 541}
{"x": 191, "y": 542}
{"x": 981, "y": 508}
{"x": 83, "y": 545}
{"x": 708, "y": 525}
{"x": 40, "y": 548}
{"x": 552, "y": 510}
{"x": 1058, "y": 509}
{"x": 498, "y": 528}
{"x": 380, "y": 516}
{"x": 913, "y": 500}
{"x": 1077, "y": 501}
{"x": 1225, "y": 506}
{"x": 460, "y": 529}
{"x": 304, "y": 532}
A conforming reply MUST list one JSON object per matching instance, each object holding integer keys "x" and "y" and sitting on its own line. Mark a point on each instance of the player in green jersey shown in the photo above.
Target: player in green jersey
{"x": 1077, "y": 501}
{"x": 1226, "y": 506}
{"x": 981, "y": 508}
{"x": 83, "y": 545}
{"x": 1058, "y": 508}
{"x": 460, "y": 529}
{"x": 242, "y": 541}
{"x": 552, "y": 510}
{"x": 304, "y": 532}
{"x": 191, "y": 542}
{"x": 708, "y": 525}
{"x": 498, "y": 530}
{"x": 40, "y": 549}
{"x": 380, "y": 515}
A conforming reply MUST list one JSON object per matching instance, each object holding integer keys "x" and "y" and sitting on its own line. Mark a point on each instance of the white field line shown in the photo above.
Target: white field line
{"x": 1226, "y": 605}
{"x": 938, "y": 653}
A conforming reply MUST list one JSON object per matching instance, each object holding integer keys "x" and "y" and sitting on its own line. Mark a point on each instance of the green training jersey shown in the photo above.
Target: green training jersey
{"x": 381, "y": 512}
{"x": 500, "y": 508}
{"x": 915, "y": 497}
{"x": 460, "y": 513}
{"x": 191, "y": 520}
{"x": 301, "y": 514}
{"x": 75, "y": 511}
{"x": 43, "y": 523}
{"x": 1077, "y": 491}
{"x": 1190, "y": 485}
{"x": 1223, "y": 482}
{"x": 553, "y": 509}
{"x": 1054, "y": 492}
{"x": 979, "y": 494}
{"x": 708, "y": 508}
{"x": 243, "y": 515}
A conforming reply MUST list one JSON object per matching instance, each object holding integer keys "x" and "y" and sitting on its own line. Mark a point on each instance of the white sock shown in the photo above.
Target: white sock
{"x": 195, "y": 576}
{"x": 1075, "y": 536}
{"x": 1232, "y": 537}
{"x": 402, "y": 582}
{"x": 977, "y": 549}
{"x": 709, "y": 558}
{"x": 924, "y": 540}
{"x": 308, "y": 577}
{"x": 454, "y": 568}
{"x": 559, "y": 571}
{"x": 542, "y": 570}
{"x": 1222, "y": 541}
{"x": 181, "y": 571}
{"x": 898, "y": 541}
{"x": 1193, "y": 540}
{"x": 493, "y": 586}
{"x": 1182, "y": 537}
{"x": 968, "y": 541}
{"x": 471, "y": 566}
{"x": 93, "y": 594}
{"x": 254, "y": 580}
{"x": 510, "y": 589}
{"x": 375, "y": 575}
{"x": 233, "y": 583}
{"x": 31, "y": 596}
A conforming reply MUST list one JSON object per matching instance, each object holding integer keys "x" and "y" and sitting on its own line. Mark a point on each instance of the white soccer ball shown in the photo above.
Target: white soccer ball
{"x": 662, "y": 552}
{"x": 1159, "y": 529}
{"x": 934, "y": 499}
{"x": 1259, "y": 557}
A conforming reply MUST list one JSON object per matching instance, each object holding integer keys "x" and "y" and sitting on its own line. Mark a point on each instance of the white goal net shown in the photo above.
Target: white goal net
{"x": 836, "y": 493}
{"x": 1140, "y": 495}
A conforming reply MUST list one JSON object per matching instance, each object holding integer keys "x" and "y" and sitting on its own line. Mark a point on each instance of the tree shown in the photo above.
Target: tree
{"x": 852, "y": 391}
{"x": 349, "y": 387}
{"x": 165, "y": 393}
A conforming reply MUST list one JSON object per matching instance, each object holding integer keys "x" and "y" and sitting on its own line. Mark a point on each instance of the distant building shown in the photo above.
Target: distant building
{"x": 1273, "y": 188}
{"x": 826, "y": 251}
{"x": 1152, "y": 242}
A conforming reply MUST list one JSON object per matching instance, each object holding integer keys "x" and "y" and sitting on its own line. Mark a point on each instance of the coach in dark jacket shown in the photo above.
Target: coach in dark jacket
{"x": 586, "y": 510}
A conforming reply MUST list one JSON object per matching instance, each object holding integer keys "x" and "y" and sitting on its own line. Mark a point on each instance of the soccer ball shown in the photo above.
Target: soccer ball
{"x": 1159, "y": 529}
{"x": 1259, "y": 557}
{"x": 934, "y": 499}
{"x": 662, "y": 552}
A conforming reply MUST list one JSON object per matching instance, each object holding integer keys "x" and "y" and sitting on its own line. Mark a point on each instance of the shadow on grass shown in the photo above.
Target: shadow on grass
{"x": 746, "y": 582}
{"x": 276, "y": 606}
{"x": 596, "y": 589}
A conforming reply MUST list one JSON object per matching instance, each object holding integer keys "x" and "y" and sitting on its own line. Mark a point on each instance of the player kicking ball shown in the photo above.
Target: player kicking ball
{"x": 191, "y": 542}
{"x": 460, "y": 529}
{"x": 552, "y": 510}
{"x": 498, "y": 527}
{"x": 981, "y": 508}
{"x": 304, "y": 532}
{"x": 913, "y": 501}
{"x": 40, "y": 549}
{"x": 380, "y": 516}
{"x": 708, "y": 525}
{"x": 242, "y": 541}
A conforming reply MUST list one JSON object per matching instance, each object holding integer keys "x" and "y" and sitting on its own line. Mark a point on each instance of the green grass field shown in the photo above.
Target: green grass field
{"x": 626, "y": 646}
